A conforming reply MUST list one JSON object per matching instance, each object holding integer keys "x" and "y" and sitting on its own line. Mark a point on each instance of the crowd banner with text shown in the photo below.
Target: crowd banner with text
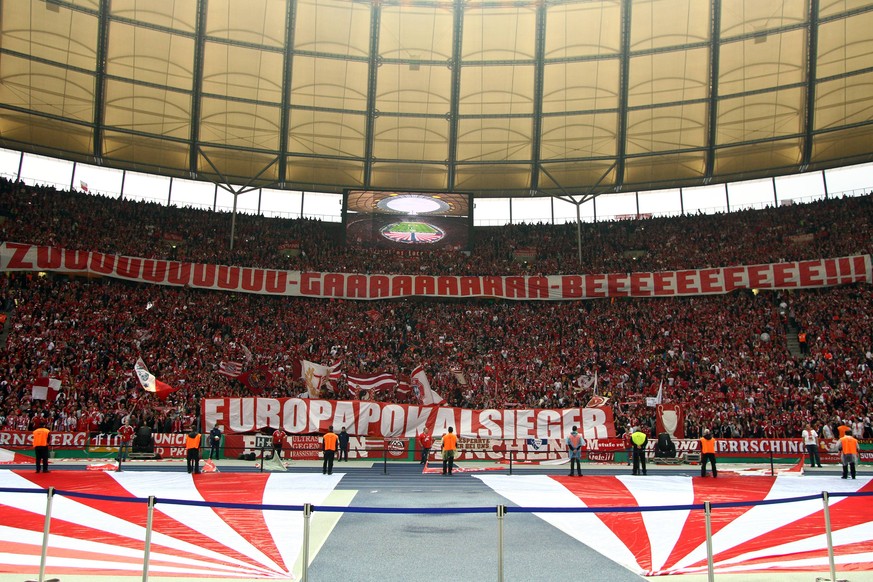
{"x": 391, "y": 421}
{"x": 710, "y": 281}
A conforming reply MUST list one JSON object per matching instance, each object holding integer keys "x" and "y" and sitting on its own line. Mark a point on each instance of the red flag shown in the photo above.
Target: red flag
{"x": 373, "y": 382}
{"x": 257, "y": 380}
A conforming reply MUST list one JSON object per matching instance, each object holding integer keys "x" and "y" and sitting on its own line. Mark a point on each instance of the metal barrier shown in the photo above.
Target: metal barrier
{"x": 307, "y": 510}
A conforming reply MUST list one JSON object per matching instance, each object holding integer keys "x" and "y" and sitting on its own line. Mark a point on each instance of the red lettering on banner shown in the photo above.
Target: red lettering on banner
{"x": 102, "y": 264}
{"x": 310, "y": 283}
{"x": 709, "y": 281}
{"x": 788, "y": 275}
{"x": 447, "y": 286}
{"x": 759, "y": 277}
{"x": 154, "y": 271}
{"x": 665, "y": 284}
{"x": 617, "y": 284}
{"x": 537, "y": 288}
{"x": 492, "y": 286}
{"x": 128, "y": 267}
{"x": 571, "y": 286}
{"x": 594, "y": 286}
{"x": 76, "y": 260}
{"x": 810, "y": 274}
{"x": 784, "y": 275}
{"x": 686, "y": 282}
{"x": 204, "y": 275}
{"x": 470, "y": 286}
{"x": 252, "y": 280}
{"x": 640, "y": 284}
{"x": 425, "y": 285}
{"x": 356, "y": 287}
{"x": 179, "y": 273}
{"x": 401, "y": 286}
{"x": 19, "y": 256}
{"x": 49, "y": 257}
{"x": 277, "y": 282}
{"x": 830, "y": 271}
{"x": 860, "y": 268}
{"x": 734, "y": 278}
{"x": 844, "y": 266}
{"x": 333, "y": 285}
{"x": 227, "y": 277}
{"x": 380, "y": 286}
{"x": 382, "y": 420}
{"x": 515, "y": 288}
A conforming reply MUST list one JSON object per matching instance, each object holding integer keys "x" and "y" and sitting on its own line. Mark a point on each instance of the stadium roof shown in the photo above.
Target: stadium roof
{"x": 498, "y": 98}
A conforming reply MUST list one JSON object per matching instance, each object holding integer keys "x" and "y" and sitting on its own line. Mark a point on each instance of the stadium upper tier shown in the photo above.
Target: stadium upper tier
{"x": 557, "y": 97}
{"x": 822, "y": 229}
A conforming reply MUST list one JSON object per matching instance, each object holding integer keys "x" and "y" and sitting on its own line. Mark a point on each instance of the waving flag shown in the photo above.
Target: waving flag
{"x": 257, "y": 380}
{"x": 597, "y": 401}
{"x": 374, "y": 382}
{"x": 150, "y": 383}
{"x": 421, "y": 385}
{"x": 230, "y": 369}
{"x": 46, "y": 389}
{"x": 317, "y": 375}
{"x": 652, "y": 401}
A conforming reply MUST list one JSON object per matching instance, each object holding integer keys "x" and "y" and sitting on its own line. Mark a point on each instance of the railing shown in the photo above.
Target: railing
{"x": 500, "y": 511}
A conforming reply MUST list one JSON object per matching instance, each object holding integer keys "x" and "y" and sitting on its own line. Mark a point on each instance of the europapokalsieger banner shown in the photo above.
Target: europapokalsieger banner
{"x": 387, "y": 421}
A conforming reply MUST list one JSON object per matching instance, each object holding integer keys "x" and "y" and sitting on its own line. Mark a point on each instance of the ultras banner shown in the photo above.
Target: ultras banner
{"x": 711, "y": 281}
{"x": 387, "y": 421}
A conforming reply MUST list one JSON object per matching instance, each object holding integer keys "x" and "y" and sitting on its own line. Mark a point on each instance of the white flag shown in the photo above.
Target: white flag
{"x": 422, "y": 385}
{"x": 315, "y": 376}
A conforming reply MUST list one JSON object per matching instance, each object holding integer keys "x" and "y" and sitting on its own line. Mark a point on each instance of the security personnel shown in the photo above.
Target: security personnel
{"x": 639, "y": 441}
{"x": 848, "y": 453}
{"x": 707, "y": 453}
{"x": 450, "y": 448}
{"x": 41, "y": 450}
{"x": 192, "y": 448}
{"x": 574, "y": 447}
{"x": 329, "y": 446}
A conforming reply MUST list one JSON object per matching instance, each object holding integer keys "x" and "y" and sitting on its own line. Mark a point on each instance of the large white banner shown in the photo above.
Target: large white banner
{"x": 382, "y": 420}
{"x": 711, "y": 281}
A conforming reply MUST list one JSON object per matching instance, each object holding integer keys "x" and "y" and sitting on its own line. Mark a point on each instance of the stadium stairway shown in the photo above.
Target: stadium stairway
{"x": 791, "y": 341}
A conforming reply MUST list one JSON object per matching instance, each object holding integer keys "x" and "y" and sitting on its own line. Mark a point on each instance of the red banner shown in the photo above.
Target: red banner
{"x": 711, "y": 281}
{"x": 390, "y": 421}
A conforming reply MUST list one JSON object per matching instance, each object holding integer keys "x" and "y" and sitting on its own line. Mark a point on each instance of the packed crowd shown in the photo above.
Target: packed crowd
{"x": 828, "y": 228}
{"x": 725, "y": 358}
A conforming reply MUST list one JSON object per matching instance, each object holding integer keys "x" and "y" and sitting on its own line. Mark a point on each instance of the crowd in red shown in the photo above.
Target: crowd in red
{"x": 725, "y": 358}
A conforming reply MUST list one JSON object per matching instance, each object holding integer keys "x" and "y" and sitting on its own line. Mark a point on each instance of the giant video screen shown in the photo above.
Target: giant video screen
{"x": 413, "y": 221}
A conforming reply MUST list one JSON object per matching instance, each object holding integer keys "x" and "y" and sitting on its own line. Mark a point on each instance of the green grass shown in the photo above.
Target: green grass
{"x": 412, "y": 227}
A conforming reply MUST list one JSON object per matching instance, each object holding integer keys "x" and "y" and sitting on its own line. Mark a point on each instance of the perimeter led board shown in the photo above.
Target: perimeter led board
{"x": 413, "y": 221}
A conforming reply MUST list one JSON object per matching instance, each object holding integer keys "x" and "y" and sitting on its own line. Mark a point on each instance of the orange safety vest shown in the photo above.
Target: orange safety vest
{"x": 330, "y": 441}
{"x": 450, "y": 441}
{"x": 40, "y": 437}
{"x": 707, "y": 446}
{"x": 849, "y": 444}
{"x": 801, "y": 337}
{"x": 192, "y": 443}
